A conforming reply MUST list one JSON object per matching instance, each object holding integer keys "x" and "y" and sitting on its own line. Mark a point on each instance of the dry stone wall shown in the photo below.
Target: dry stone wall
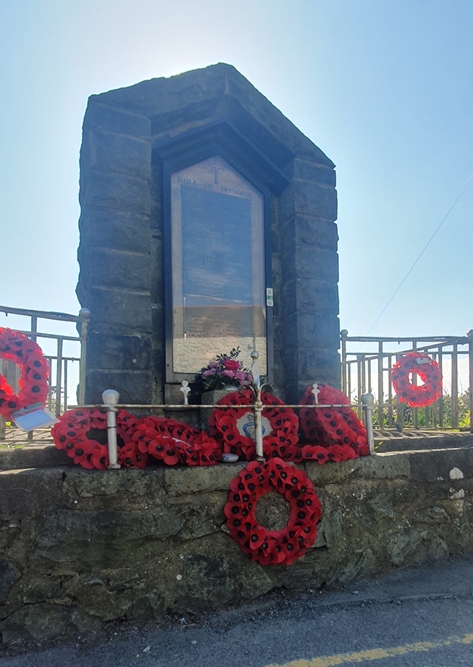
{"x": 79, "y": 548}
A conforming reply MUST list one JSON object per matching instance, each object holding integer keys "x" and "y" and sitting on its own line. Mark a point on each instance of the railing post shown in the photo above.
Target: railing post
{"x": 380, "y": 385}
{"x": 454, "y": 389}
{"x": 368, "y": 404}
{"x": 110, "y": 398}
{"x": 84, "y": 313}
{"x": 343, "y": 338}
{"x": 470, "y": 375}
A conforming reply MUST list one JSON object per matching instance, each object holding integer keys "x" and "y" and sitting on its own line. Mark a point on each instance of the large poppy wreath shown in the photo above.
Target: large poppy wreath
{"x": 73, "y": 434}
{"x": 173, "y": 442}
{"x": 273, "y": 547}
{"x": 234, "y": 427}
{"x": 331, "y": 434}
{"x": 417, "y": 396}
{"x": 18, "y": 348}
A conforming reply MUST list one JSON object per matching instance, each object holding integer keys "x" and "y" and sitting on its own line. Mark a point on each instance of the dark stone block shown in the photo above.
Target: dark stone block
{"x": 310, "y": 171}
{"x": 7, "y": 579}
{"x": 115, "y": 269}
{"x": 118, "y": 311}
{"x": 114, "y": 352}
{"x": 310, "y": 330}
{"x": 133, "y": 387}
{"x": 302, "y": 197}
{"x": 114, "y": 229}
{"x": 116, "y": 191}
{"x": 312, "y": 365}
{"x": 310, "y": 296}
{"x": 108, "y": 151}
{"x": 310, "y": 263}
{"x": 433, "y": 466}
{"x": 302, "y": 231}
{"x": 116, "y": 120}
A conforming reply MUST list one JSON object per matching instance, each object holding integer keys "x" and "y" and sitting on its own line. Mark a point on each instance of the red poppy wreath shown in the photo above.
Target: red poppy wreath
{"x": 234, "y": 428}
{"x": 16, "y": 347}
{"x": 273, "y": 547}
{"x": 73, "y": 434}
{"x": 173, "y": 442}
{"x": 332, "y": 434}
{"x": 417, "y": 396}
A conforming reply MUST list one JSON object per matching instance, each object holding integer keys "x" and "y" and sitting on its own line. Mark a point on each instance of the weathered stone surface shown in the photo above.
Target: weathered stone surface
{"x": 124, "y": 489}
{"x": 107, "y": 151}
{"x": 119, "y": 311}
{"x": 7, "y": 578}
{"x": 306, "y": 198}
{"x": 102, "y": 228}
{"x": 36, "y": 456}
{"x": 434, "y": 466}
{"x": 118, "y": 192}
{"x": 308, "y": 365}
{"x": 301, "y": 230}
{"x": 184, "y": 481}
{"x": 133, "y": 386}
{"x": 310, "y": 263}
{"x": 312, "y": 330}
{"x": 217, "y": 86}
{"x": 368, "y": 467}
{"x": 311, "y": 297}
{"x": 132, "y": 352}
{"x": 85, "y": 541}
{"x": 115, "y": 269}
{"x": 117, "y": 120}
{"x": 310, "y": 171}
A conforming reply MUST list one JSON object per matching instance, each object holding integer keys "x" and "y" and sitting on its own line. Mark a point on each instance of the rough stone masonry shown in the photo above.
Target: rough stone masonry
{"x": 80, "y": 548}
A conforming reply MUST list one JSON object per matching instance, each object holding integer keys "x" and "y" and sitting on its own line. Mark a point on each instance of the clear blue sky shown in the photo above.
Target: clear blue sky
{"x": 384, "y": 87}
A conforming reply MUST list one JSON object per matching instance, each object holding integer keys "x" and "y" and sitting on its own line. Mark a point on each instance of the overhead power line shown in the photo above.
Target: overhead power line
{"x": 420, "y": 255}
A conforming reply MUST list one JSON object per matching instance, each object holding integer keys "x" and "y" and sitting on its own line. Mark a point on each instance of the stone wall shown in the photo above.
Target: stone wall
{"x": 79, "y": 548}
{"x": 122, "y": 221}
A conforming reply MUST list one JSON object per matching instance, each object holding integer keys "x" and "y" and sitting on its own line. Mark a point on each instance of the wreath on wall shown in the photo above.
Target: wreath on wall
{"x": 173, "y": 442}
{"x": 330, "y": 434}
{"x": 74, "y": 434}
{"x": 17, "y": 347}
{"x": 234, "y": 427}
{"x": 79, "y": 433}
{"x": 417, "y": 396}
{"x": 273, "y": 547}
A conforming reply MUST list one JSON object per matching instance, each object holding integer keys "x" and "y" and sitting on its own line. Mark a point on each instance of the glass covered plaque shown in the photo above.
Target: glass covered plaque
{"x": 218, "y": 284}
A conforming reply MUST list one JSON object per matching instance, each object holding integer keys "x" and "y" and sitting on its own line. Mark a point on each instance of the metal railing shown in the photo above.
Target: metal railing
{"x": 53, "y": 345}
{"x": 366, "y": 364}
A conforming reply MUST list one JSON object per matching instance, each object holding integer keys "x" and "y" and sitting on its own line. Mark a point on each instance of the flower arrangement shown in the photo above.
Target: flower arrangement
{"x": 225, "y": 371}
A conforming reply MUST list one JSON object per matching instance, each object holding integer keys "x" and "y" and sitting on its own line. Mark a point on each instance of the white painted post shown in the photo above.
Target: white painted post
{"x": 110, "y": 398}
{"x": 258, "y": 408}
{"x": 368, "y": 405}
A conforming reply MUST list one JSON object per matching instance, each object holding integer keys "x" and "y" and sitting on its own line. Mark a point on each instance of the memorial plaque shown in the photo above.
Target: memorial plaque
{"x": 218, "y": 267}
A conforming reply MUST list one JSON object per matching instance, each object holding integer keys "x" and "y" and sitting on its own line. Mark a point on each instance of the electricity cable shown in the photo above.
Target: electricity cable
{"x": 420, "y": 255}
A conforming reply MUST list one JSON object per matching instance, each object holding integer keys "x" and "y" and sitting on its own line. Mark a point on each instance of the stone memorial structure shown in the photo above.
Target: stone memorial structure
{"x": 207, "y": 222}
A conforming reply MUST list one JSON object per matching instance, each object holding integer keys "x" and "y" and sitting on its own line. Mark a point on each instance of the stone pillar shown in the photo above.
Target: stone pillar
{"x": 309, "y": 268}
{"x": 115, "y": 277}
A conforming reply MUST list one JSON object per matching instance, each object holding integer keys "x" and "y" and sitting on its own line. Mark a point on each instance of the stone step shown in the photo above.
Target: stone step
{"x": 35, "y": 456}
{"x": 401, "y": 443}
